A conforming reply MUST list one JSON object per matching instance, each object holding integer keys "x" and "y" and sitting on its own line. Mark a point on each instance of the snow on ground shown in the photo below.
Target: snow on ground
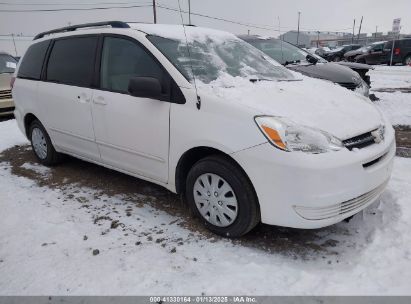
{"x": 42, "y": 170}
{"x": 396, "y": 105}
{"x": 390, "y": 77}
{"x": 47, "y": 238}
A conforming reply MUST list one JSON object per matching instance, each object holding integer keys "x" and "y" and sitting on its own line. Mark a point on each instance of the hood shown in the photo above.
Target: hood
{"x": 356, "y": 66}
{"x": 5, "y": 81}
{"x": 310, "y": 102}
{"x": 354, "y": 52}
{"x": 328, "y": 71}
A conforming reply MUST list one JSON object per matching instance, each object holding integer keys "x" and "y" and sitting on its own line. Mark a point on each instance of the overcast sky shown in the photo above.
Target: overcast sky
{"x": 325, "y": 15}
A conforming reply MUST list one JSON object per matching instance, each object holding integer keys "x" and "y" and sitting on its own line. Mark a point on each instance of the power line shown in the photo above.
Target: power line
{"x": 71, "y": 9}
{"x": 67, "y": 4}
{"x": 252, "y": 25}
{"x": 216, "y": 18}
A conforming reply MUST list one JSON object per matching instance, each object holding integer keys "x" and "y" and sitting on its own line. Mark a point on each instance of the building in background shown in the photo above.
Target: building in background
{"x": 311, "y": 39}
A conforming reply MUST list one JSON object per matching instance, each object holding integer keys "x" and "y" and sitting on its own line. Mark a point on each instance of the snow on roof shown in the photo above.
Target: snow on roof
{"x": 176, "y": 31}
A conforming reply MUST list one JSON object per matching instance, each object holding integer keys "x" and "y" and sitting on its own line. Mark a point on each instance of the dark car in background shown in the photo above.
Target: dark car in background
{"x": 308, "y": 64}
{"x": 338, "y": 53}
{"x": 402, "y": 52}
{"x": 358, "y": 55}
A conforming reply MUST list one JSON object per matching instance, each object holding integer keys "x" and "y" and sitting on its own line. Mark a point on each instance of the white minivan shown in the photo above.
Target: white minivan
{"x": 206, "y": 115}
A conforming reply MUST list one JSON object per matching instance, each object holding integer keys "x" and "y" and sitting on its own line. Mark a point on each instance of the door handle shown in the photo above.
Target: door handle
{"x": 100, "y": 101}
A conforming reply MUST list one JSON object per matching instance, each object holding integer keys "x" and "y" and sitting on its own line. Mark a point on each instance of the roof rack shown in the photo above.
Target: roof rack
{"x": 113, "y": 24}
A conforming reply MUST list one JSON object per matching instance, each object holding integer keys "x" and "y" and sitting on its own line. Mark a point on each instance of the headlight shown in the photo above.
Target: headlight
{"x": 289, "y": 136}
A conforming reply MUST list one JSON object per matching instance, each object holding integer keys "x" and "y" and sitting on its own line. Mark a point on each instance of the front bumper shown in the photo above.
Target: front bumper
{"x": 312, "y": 191}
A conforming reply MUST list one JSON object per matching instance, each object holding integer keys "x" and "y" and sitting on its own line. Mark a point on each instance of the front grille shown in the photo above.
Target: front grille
{"x": 349, "y": 85}
{"x": 348, "y": 207}
{"x": 360, "y": 141}
{"x": 5, "y": 94}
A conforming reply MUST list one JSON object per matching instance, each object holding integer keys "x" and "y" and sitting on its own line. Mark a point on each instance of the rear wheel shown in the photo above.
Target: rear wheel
{"x": 407, "y": 60}
{"x": 220, "y": 194}
{"x": 42, "y": 146}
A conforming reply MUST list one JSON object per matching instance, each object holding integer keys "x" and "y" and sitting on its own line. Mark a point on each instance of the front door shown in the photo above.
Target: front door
{"x": 132, "y": 132}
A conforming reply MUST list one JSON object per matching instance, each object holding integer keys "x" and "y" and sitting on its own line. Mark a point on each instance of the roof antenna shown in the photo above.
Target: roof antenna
{"x": 281, "y": 40}
{"x": 189, "y": 55}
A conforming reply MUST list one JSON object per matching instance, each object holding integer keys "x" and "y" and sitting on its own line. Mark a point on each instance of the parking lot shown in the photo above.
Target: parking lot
{"x": 78, "y": 228}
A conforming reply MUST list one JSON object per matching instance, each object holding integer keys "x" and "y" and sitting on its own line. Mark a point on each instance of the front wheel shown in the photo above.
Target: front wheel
{"x": 42, "y": 146}
{"x": 221, "y": 195}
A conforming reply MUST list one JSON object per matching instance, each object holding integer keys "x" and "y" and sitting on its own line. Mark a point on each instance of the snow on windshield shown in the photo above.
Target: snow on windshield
{"x": 213, "y": 54}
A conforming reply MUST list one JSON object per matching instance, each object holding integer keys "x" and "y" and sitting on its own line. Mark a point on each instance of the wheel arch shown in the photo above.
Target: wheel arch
{"x": 28, "y": 120}
{"x": 192, "y": 156}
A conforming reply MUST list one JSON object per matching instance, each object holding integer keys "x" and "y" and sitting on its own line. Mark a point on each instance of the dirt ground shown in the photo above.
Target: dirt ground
{"x": 403, "y": 138}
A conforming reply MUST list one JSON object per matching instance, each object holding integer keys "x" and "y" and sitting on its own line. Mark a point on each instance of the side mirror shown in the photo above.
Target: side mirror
{"x": 311, "y": 59}
{"x": 146, "y": 87}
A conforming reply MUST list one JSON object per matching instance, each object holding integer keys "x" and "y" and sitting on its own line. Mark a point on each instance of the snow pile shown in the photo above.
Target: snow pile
{"x": 390, "y": 77}
{"x": 396, "y": 105}
{"x": 10, "y": 135}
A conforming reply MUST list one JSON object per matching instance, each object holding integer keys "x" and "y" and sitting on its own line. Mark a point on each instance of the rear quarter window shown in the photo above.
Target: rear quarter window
{"x": 72, "y": 61}
{"x": 32, "y": 63}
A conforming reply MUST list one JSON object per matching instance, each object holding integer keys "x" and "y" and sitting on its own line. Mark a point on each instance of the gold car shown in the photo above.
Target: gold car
{"x": 7, "y": 68}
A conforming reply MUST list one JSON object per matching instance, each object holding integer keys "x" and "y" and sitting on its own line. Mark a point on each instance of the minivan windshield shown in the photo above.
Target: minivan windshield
{"x": 281, "y": 51}
{"x": 7, "y": 64}
{"x": 212, "y": 55}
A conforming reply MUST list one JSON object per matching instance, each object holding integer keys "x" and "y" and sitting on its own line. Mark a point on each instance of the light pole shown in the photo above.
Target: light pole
{"x": 189, "y": 12}
{"x": 14, "y": 43}
{"x": 298, "y": 29}
{"x": 154, "y": 11}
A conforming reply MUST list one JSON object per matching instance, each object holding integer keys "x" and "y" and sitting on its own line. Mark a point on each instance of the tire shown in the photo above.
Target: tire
{"x": 42, "y": 146}
{"x": 407, "y": 60}
{"x": 337, "y": 59}
{"x": 226, "y": 175}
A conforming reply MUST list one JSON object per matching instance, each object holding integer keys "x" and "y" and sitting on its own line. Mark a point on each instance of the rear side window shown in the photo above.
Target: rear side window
{"x": 72, "y": 61}
{"x": 30, "y": 67}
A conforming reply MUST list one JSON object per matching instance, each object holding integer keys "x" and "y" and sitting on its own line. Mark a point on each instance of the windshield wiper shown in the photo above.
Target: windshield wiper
{"x": 292, "y": 62}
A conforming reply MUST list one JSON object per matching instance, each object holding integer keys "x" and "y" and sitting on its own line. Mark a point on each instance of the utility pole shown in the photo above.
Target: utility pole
{"x": 318, "y": 39}
{"x": 298, "y": 30}
{"x": 359, "y": 30}
{"x": 376, "y": 31}
{"x": 248, "y": 33}
{"x": 14, "y": 42}
{"x": 189, "y": 12}
{"x": 353, "y": 33}
{"x": 154, "y": 11}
